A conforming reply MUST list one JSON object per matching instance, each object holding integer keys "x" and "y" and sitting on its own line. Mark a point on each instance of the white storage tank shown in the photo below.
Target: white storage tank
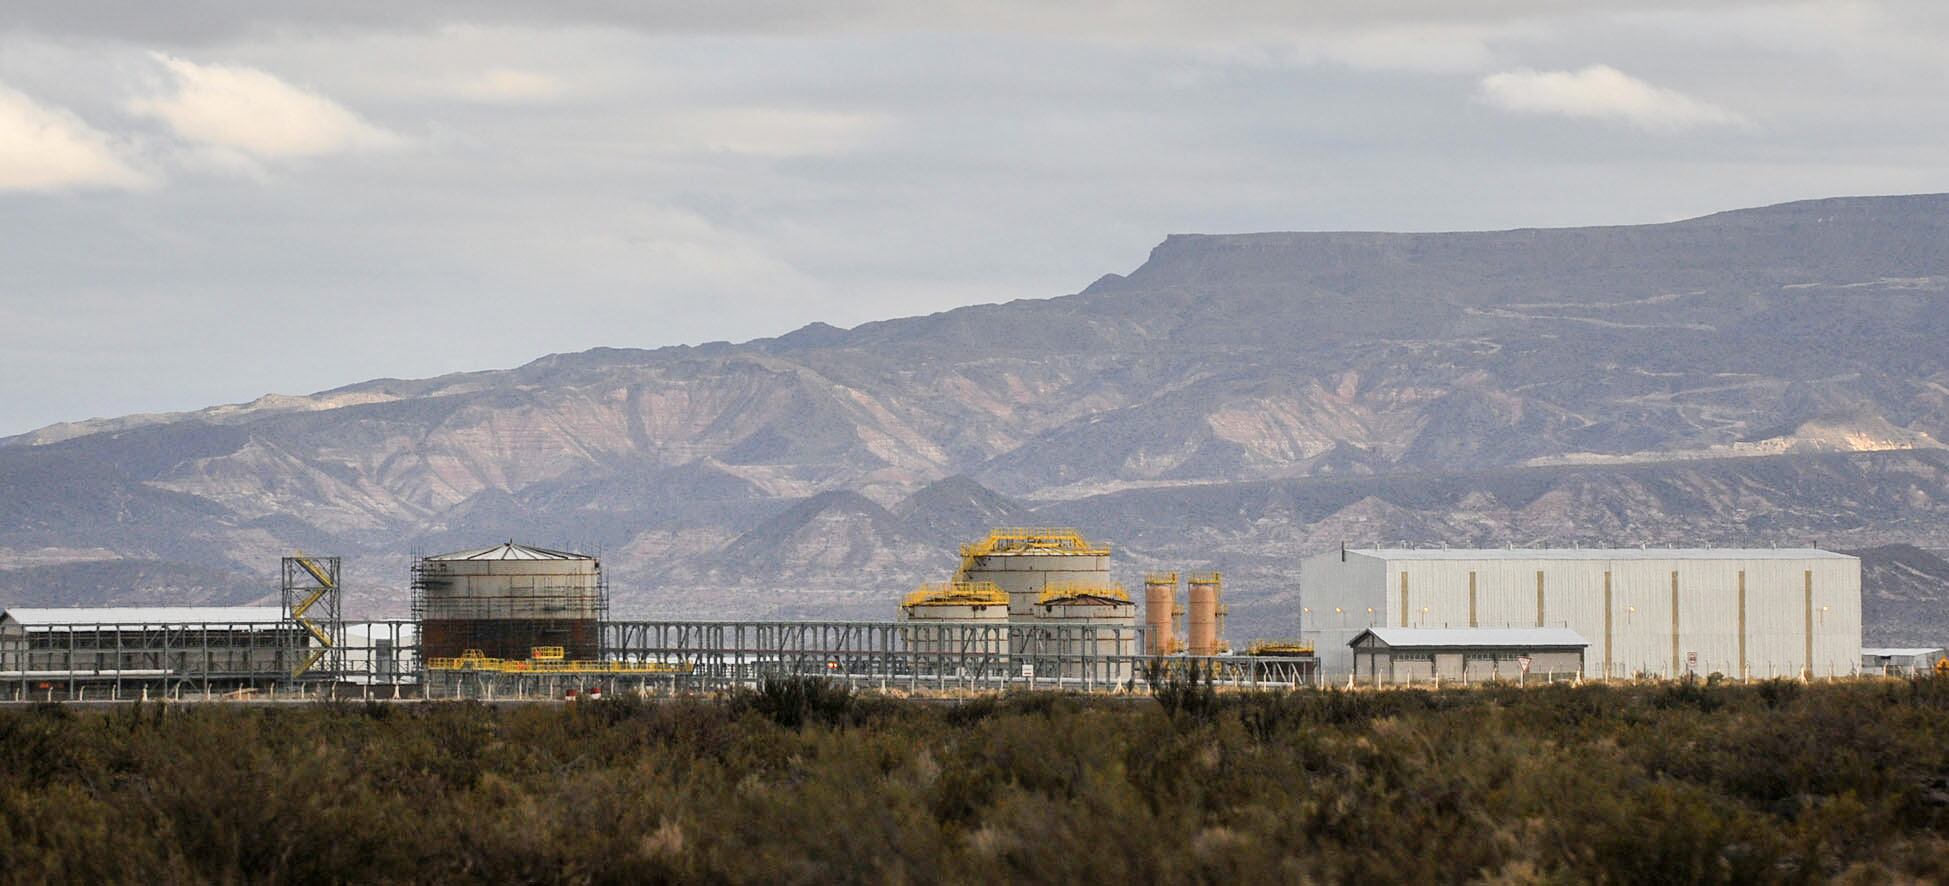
{"x": 1079, "y": 625}
{"x": 969, "y": 618}
{"x": 507, "y": 600}
{"x": 1025, "y": 562}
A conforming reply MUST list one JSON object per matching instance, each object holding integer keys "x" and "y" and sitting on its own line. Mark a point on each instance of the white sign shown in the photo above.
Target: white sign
{"x": 1524, "y": 661}
{"x": 1028, "y": 670}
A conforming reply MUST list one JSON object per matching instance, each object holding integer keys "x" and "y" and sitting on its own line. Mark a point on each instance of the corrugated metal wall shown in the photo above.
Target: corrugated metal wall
{"x": 1798, "y": 614}
{"x": 1340, "y": 595}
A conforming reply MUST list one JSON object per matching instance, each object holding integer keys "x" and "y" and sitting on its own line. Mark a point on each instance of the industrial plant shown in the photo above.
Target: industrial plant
{"x": 1045, "y": 596}
{"x": 1025, "y": 608}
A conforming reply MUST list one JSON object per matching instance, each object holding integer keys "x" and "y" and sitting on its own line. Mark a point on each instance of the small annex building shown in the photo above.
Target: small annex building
{"x": 1904, "y": 661}
{"x": 1467, "y": 655}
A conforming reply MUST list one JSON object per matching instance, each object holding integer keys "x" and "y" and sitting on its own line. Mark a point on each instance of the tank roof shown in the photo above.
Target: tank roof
{"x": 958, "y": 593}
{"x": 511, "y": 551}
{"x": 1039, "y": 542}
{"x": 1083, "y": 594}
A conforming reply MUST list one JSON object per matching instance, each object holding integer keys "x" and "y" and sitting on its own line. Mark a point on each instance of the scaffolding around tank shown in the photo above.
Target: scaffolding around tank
{"x": 503, "y": 602}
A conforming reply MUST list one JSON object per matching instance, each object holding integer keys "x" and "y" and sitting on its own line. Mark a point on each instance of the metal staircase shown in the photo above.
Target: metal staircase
{"x": 311, "y": 598}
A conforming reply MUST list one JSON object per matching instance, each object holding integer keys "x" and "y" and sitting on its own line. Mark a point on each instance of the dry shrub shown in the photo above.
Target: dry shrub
{"x": 806, "y": 782}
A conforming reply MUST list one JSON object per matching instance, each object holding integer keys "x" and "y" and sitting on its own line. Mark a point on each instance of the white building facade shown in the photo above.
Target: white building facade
{"x": 1744, "y": 613}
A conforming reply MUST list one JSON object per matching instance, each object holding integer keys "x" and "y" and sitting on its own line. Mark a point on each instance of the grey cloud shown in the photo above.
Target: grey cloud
{"x": 209, "y": 21}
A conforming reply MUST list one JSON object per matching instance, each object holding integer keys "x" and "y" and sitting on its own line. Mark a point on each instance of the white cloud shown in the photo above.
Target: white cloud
{"x": 509, "y": 85}
{"x": 248, "y": 110}
{"x": 1601, "y": 92}
{"x": 45, "y": 149}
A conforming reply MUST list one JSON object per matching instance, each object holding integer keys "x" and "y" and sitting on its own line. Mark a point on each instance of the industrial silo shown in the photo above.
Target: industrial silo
{"x": 1205, "y": 595}
{"x": 509, "y": 599}
{"x": 1080, "y": 625}
{"x": 1024, "y": 562}
{"x": 1160, "y": 613}
{"x": 956, "y": 618}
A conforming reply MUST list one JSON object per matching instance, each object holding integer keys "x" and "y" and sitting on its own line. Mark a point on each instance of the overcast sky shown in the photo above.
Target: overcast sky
{"x": 204, "y": 202}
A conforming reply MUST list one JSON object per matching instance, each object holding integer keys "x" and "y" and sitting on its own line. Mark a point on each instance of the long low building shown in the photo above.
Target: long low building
{"x": 1466, "y": 655}
{"x": 1754, "y": 613}
{"x": 64, "y": 649}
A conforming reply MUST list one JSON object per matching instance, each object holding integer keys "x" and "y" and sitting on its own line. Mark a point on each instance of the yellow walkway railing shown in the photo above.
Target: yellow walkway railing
{"x": 475, "y": 660}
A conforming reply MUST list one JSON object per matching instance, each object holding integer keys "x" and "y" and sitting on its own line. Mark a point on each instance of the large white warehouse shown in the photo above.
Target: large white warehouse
{"x": 1766, "y": 612}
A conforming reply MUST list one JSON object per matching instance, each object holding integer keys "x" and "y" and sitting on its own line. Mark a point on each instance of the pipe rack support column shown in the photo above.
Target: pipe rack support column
{"x": 1743, "y": 674}
{"x": 1675, "y": 665}
{"x": 1807, "y": 579}
{"x": 1607, "y": 624}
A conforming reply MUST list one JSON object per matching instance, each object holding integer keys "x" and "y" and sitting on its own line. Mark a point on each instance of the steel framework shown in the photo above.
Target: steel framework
{"x": 379, "y": 659}
{"x": 312, "y": 599}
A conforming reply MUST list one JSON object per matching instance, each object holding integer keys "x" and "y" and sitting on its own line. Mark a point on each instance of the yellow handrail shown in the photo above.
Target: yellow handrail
{"x": 313, "y": 568}
{"x": 976, "y": 593}
{"x": 1054, "y": 592}
{"x": 1279, "y": 647}
{"x": 475, "y": 660}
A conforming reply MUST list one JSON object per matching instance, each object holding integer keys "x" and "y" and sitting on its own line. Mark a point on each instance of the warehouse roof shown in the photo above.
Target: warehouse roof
{"x": 142, "y": 615}
{"x": 1599, "y": 554}
{"x": 1476, "y": 638}
{"x": 1901, "y": 653}
{"x": 511, "y": 551}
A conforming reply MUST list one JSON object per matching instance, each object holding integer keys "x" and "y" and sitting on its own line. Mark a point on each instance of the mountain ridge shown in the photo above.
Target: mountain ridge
{"x": 1798, "y": 343}
{"x": 1937, "y": 202}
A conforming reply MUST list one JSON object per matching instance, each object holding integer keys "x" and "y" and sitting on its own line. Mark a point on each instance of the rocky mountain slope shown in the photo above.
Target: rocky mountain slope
{"x": 1773, "y": 374}
{"x": 1905, "y": 593}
